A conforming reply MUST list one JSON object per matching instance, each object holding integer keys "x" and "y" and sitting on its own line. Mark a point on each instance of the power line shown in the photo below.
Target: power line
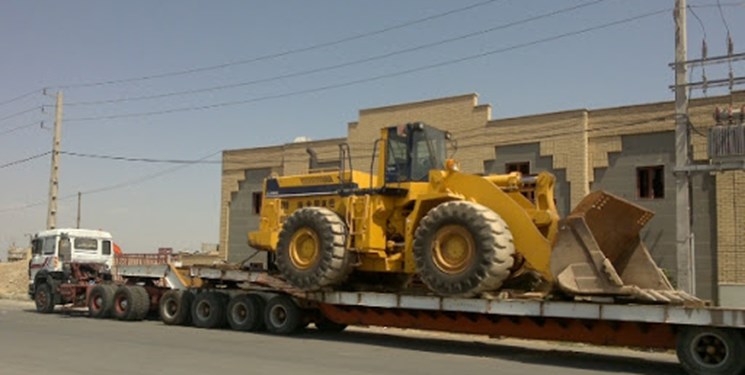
{"x": 721, "y": 14}
{"x": 24, "y": 160}
{"x": 146, "y": 160}
{"x": 282, "y": 53}
{"x": 11, "y": 130}
{"x": 19, "y": 97}
{"x": 374, "y": 78}
{"x": 8, "y": 117}
{"x": 120, "y": 185}
{"x": 346, "y": 64}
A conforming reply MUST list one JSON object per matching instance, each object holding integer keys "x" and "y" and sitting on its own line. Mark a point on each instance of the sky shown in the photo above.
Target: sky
{"x": 262, "y": 73}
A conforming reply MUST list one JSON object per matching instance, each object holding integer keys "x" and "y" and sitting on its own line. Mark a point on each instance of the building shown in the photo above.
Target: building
{"x": 629, "y": 151}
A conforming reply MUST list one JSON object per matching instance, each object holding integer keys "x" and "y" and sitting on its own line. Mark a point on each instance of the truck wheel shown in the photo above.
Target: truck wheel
{"x": 311, "y": 251}
{"x": 142, "y": 305}
{"x": 282, "y": 315}
{"x": 715, "y": 351}
{"x": 127, "y": 303}
{"x": 463, "y": 248}
{"x": 208, "y": 310}
{"x": 325, "y": 325}
{"x": 246, "y": 313}
{"x": 101, "y": 301}
{"x": 175, "y": 307}
{"x": 44, "y": 299}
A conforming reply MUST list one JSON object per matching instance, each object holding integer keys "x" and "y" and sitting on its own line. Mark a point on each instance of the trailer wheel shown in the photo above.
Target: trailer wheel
{"x": 326, "y": 325}
{"x": 246, "y": 313}
{"x": 715, "y": 351}
{"x": 142, "y": 302}
{"x": 282, "y": 315}
{"x": 175, "y": 307}
{"x": 311, "y": 252}
{"x": 463, "y": 248}
{"x": 208, "y": 310}
{"x": 127, "y": 303}
{"x": 44, "y": 298}
{"x": 101, "y": 301}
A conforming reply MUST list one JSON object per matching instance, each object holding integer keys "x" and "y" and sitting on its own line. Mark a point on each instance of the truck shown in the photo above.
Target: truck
{"x": 419, "y": 244}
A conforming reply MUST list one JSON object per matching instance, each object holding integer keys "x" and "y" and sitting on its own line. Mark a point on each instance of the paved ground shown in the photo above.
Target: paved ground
{"x": 70, "y": 343}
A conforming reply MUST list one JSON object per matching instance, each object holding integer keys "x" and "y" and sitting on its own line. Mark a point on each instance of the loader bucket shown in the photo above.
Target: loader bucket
{"x": 598, "y": 252}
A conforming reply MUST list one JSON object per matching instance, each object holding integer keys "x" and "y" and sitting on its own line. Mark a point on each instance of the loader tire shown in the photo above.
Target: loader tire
{"x": 311, "y": 251}
{"x": 246, "y": 313}
{"x": 101, "y": 301}
{"x": 175, "y": 307}
{"x": 208, "y": 310}
{"x": 463, "y": 248}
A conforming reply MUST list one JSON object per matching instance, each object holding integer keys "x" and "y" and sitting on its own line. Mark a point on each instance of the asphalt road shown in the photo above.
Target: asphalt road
{"x": 70, "y": 343}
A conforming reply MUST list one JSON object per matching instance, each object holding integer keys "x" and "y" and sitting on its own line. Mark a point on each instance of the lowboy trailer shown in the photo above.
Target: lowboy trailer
{"x": 707, "y": 340}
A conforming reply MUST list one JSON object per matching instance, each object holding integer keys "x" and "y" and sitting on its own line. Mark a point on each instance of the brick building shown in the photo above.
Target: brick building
{"x": 629, "y": 151}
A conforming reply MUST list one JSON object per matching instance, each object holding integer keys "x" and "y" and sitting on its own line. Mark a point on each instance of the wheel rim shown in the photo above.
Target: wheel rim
{"x": 710, "y": 350}
{"x": 121, "y": 304}
{"x": 278, "y": 315}
{"x": 453, "y": 249}
{"x": 203, "y": 310}
{"x": 97, "y": 302}
{"x": 304, "y": 248}
{"x": 240, "y": 313}
{"x": 171, "y": 307}
{"x": 41, "y": 298}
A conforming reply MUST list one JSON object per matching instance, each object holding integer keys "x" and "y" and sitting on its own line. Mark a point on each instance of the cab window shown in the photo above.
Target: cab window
{"x": 47, "y": 248}
{"x": 82, "y": 243}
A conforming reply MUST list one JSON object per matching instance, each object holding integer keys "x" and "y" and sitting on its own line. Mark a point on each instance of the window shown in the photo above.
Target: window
{"x": 106, "y": 247}
{"x": 650, "y": 182}
{"x": 86, "y": 244}
{"x": 48, "y": 246}
{"x": 519, "y": 166}
{"x": 256, "y": 202}
{"x": 36, "y": 246}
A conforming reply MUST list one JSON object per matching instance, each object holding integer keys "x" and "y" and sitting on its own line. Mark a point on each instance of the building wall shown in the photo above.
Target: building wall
{"x": 243, "y": 217}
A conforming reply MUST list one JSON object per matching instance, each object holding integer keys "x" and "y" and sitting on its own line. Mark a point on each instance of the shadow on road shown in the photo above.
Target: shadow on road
{"x": 568, "y": 358}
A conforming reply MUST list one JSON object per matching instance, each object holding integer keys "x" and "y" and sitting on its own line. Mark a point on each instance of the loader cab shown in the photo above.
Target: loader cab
{"x": 411, "y": 151}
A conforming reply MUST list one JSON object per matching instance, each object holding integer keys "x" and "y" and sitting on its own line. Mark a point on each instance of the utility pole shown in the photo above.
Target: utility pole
{"x": 683, "y": 236}
{"x": 78, "y": 221}
{"x": 54, "y": 175}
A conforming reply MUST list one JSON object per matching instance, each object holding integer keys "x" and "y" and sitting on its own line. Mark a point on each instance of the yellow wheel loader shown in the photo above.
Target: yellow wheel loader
{"x": 415, "y": 213}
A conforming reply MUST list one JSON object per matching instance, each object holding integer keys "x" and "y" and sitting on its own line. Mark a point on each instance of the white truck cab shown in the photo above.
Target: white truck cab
{"x": 51, "y": 249}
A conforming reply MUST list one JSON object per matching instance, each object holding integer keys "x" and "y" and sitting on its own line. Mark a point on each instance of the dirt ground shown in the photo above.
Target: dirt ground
{"x": 14, "y": 280}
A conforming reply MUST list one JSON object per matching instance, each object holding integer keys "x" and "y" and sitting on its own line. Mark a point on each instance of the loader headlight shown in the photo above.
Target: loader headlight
{"x": 452, "y": 165}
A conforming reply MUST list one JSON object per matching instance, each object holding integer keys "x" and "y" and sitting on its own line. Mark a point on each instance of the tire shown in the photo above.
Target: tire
{"x": 282, "y": 316}
{"x": 142, "y": 305}
{"x": 325, "y": 325}
{"x": 311, "y": 251}
{"x": 175, "y": 307}
{"x": 713, "y": 351}
{"x": 128, "y": 303}
{"x": 246, "y": 313}
{"x": 44, "y": 298}
{"x": 101, "y": 301}
{"x": 463, "y": 248}
{"x": 208, "y": 310}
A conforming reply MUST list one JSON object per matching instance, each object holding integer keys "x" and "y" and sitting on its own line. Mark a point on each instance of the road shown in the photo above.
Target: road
{"x": 70, "y": 343}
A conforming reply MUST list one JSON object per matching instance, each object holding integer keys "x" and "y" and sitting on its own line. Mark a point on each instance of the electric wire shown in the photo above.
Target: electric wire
{"x": 282, "y": 53}
{"x": 19, "y": 97}
{"x": 17, "y": 128}
{"x": 374, "y": 78}
{"x": 23, "y": 112}
{"x": 342, "y": 65}
{"x": 24, "y": 160}
{"x": 145, "y": 160}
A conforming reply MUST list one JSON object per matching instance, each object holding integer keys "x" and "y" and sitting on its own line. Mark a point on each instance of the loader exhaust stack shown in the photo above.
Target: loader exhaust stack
{"x": 599, "y": 253}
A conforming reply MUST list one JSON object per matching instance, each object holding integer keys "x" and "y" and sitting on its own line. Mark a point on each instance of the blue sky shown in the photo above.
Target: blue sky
{"x": 65, "y": 44}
